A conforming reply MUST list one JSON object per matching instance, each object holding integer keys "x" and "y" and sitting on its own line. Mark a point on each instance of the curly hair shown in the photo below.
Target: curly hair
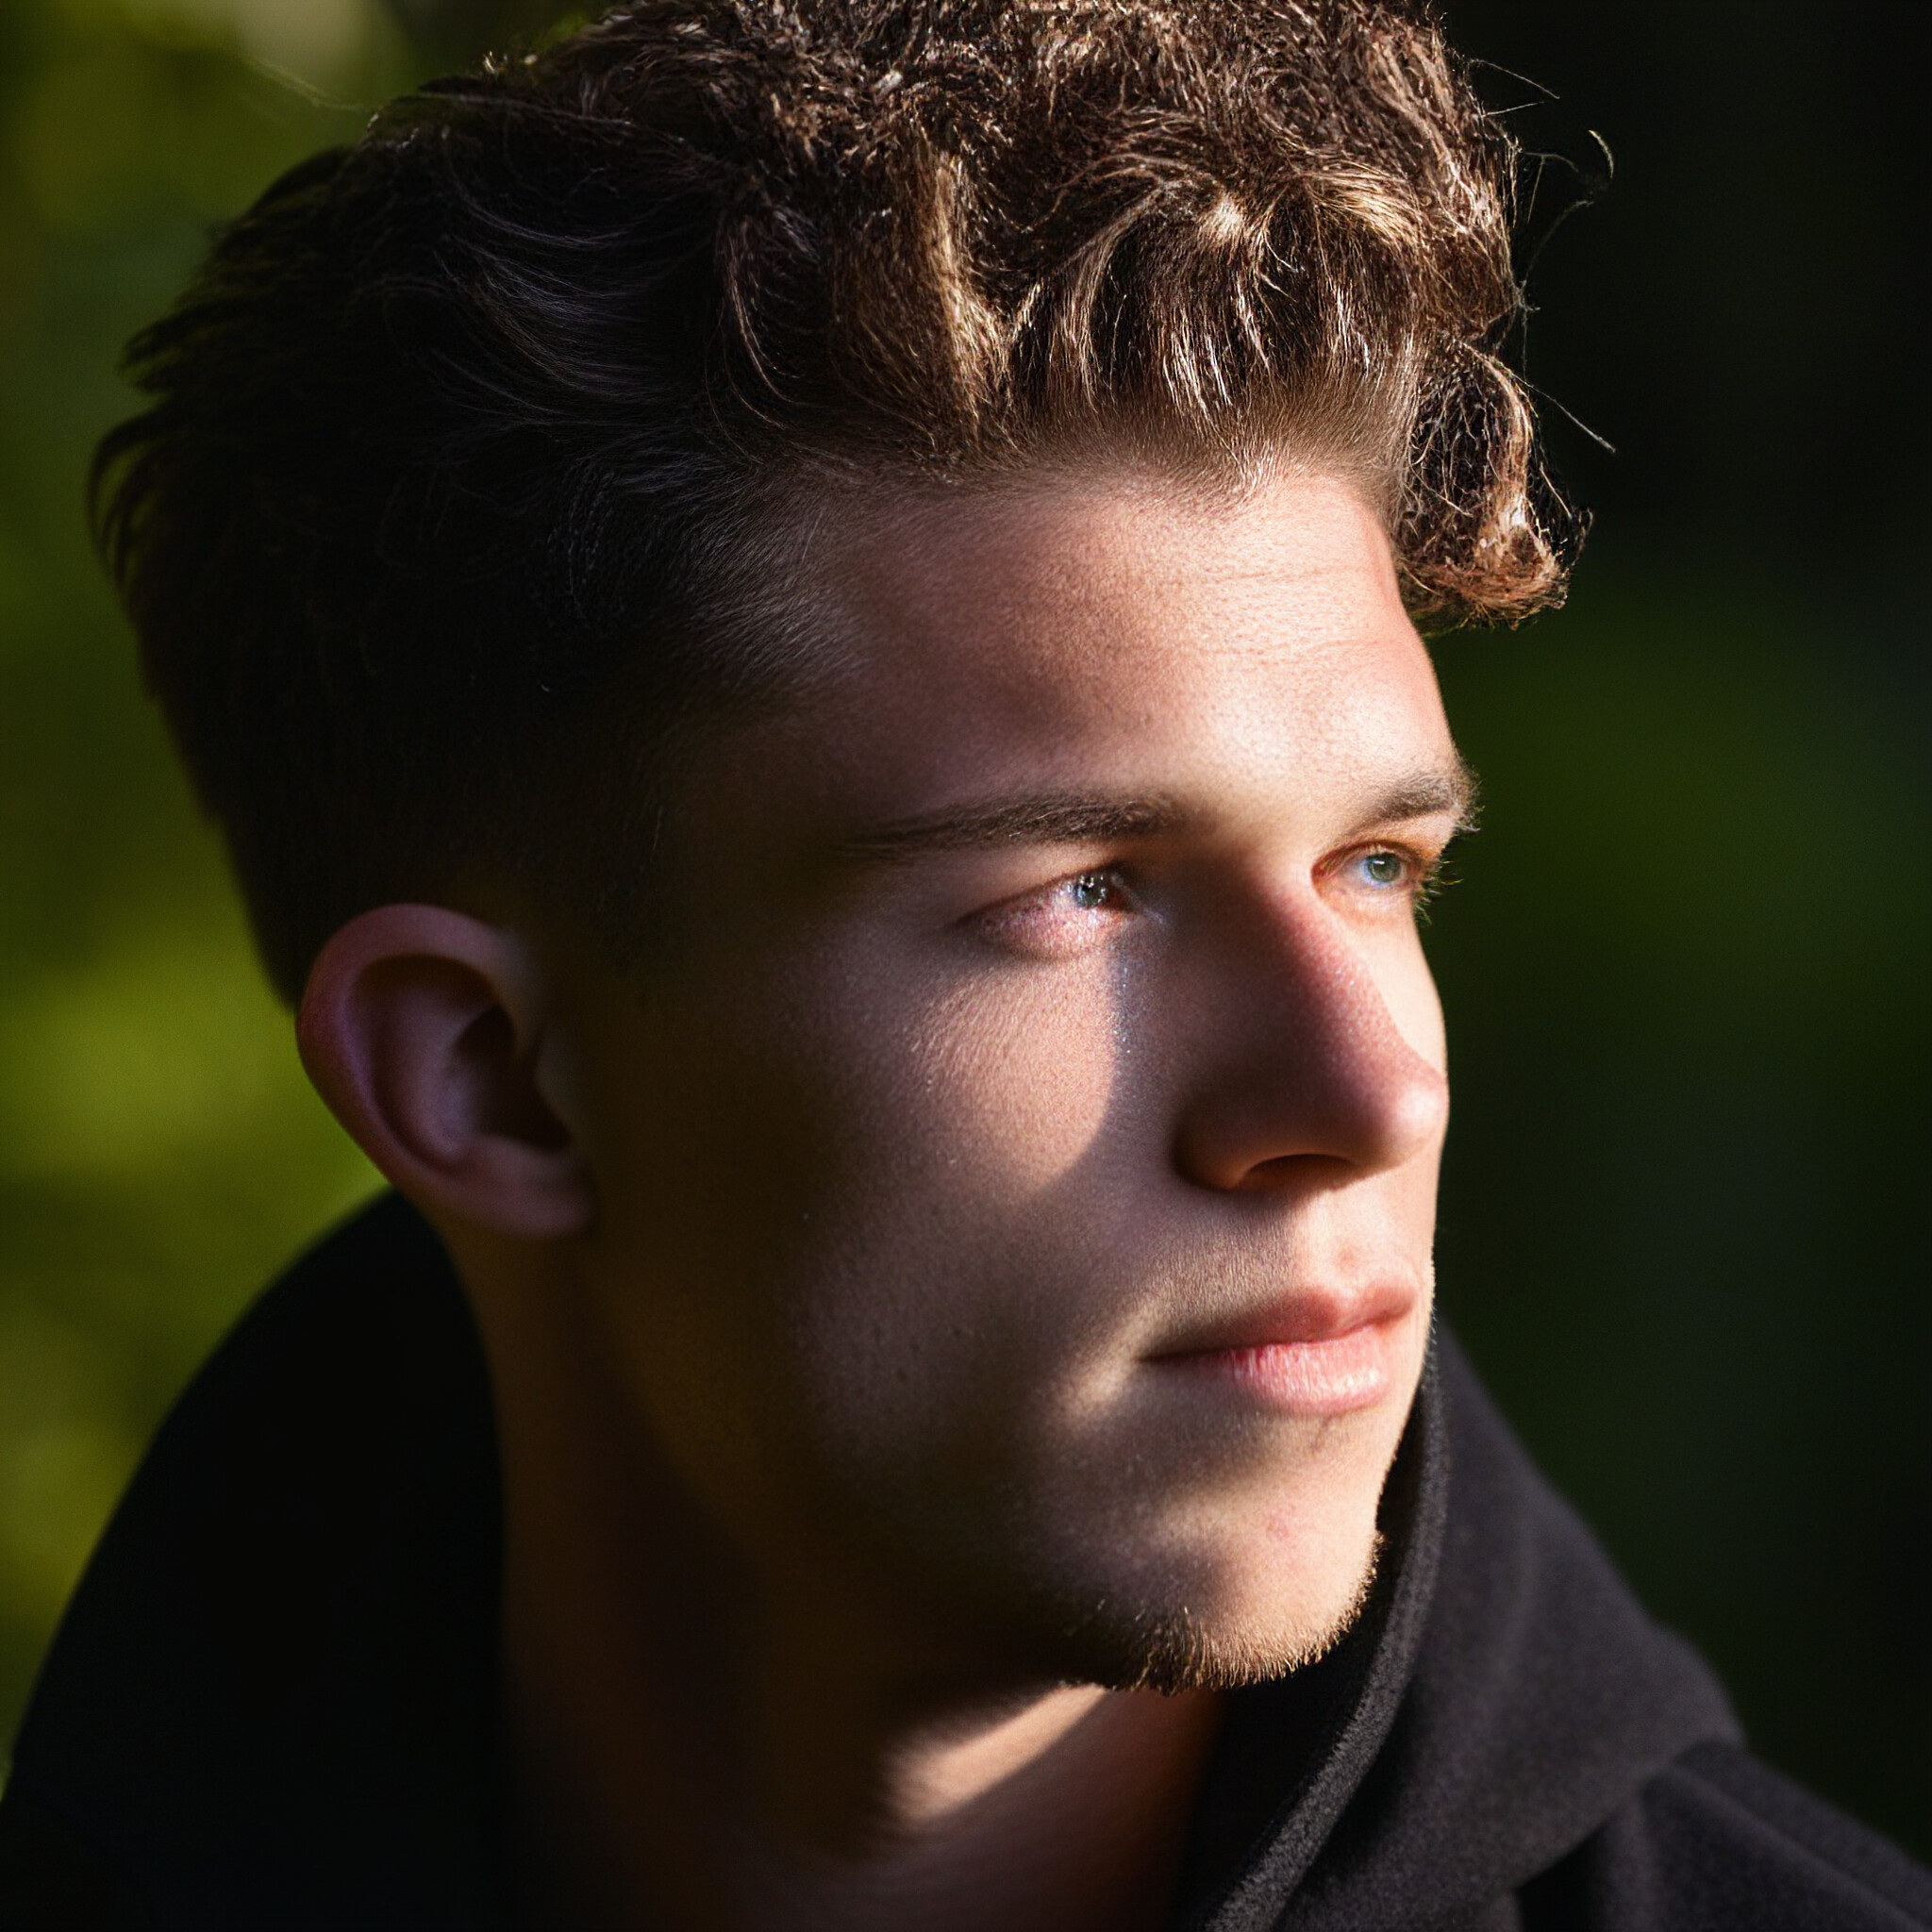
{"x": 470, "y": 437}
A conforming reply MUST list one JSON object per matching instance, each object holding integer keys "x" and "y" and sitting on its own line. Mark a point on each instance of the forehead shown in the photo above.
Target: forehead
{"x": 1100, "y": 626}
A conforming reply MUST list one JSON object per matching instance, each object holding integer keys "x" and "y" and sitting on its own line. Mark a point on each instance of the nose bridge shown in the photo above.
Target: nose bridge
{"x": 1307, "y": 1064}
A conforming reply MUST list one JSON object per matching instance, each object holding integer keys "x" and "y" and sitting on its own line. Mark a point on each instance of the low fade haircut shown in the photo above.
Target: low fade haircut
{"x": 469, "y": 454}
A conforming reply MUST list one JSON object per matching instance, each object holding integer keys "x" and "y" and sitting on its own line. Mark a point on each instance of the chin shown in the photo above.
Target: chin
{"x": 1246, "y": 1605}
{"x": 1247, "y": 1578}
{"x": 1180, "y": 1650}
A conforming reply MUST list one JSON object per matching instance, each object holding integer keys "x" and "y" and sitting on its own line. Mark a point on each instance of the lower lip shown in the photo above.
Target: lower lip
{"x": 1333, "y": 1376}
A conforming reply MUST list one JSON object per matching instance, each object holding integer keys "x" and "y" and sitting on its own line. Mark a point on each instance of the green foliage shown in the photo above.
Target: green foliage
{"x": 160, "y": 1152}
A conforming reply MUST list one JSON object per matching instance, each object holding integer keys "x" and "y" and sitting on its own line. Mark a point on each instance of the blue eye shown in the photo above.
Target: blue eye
{"x": 1094, "y": 891}
{"x": 1385, "y": 868}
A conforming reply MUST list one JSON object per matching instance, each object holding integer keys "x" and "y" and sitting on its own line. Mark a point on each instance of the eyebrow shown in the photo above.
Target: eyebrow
{"x": 1049, "y": 819}
{"x": 1427, "y": 794}
{"x": 1074, "y": 819}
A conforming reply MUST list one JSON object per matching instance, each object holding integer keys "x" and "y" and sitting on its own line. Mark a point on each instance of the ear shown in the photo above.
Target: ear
{"x": 424, "y": 1031}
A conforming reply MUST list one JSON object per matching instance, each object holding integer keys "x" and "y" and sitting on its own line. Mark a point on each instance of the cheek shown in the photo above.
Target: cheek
{"x": 858, "y": 1208}
{"x": 964, "y": 1150}
{"x": 1010, "y": 1085}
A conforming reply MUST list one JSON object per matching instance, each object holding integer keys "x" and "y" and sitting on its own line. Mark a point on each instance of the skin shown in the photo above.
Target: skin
{"x": 1047, "y": 1020}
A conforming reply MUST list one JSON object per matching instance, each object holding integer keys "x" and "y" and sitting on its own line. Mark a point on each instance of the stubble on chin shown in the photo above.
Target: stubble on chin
{"x": 1124, "y": 1646}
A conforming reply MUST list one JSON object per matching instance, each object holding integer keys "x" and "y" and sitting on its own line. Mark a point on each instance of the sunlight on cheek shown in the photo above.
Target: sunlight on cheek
{"x": 1019, "y": 1077}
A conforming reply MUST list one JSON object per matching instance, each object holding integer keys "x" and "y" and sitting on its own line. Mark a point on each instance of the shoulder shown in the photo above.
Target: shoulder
{"x": 271, "y": 1700}
{"x": 1719, "y": 1838}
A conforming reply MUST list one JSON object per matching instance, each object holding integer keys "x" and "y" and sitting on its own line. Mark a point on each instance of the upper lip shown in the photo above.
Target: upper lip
{"x": 1307, "y": 1314}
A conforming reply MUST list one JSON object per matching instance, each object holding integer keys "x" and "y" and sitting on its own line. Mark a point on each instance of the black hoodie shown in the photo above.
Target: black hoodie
{"x": 269, "y": 1705}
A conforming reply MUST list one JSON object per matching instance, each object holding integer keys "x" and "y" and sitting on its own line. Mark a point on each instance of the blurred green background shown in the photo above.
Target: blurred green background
{"x": 1685, "y": 968}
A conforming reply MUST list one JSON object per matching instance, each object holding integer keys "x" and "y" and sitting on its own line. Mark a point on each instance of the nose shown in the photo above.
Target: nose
{"x": 1298, "y": 1071}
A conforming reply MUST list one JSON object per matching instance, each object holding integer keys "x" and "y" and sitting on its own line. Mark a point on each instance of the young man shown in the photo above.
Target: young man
{"x": 801, "y": 623}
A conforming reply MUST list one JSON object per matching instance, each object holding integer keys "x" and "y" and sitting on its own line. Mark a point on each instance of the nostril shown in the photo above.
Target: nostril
{"x": 1308, "y": 1171}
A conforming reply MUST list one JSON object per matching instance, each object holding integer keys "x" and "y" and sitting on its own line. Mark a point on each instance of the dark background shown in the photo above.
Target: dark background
{"x": 1683, "y": 1220}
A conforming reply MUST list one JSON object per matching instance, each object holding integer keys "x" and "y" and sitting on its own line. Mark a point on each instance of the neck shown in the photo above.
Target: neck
{"x": 693, "y": 1746}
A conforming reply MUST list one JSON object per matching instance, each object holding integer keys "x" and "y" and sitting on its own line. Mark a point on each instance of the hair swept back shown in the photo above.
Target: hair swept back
{"x": 469, "y": 427}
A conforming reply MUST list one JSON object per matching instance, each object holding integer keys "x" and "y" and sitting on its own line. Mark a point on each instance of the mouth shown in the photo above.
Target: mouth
{"x": 1314, "y": 1354}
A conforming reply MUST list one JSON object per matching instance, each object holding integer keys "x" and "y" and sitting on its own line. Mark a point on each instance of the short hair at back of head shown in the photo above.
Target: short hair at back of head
{"x": 464, "y": 449}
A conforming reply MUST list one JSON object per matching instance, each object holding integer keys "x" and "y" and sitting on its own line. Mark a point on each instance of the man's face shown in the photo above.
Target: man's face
{"x": 1016, "y": 1193}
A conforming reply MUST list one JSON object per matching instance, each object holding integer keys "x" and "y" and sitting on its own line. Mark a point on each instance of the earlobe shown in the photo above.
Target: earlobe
{"x": 421, "y": 1029}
